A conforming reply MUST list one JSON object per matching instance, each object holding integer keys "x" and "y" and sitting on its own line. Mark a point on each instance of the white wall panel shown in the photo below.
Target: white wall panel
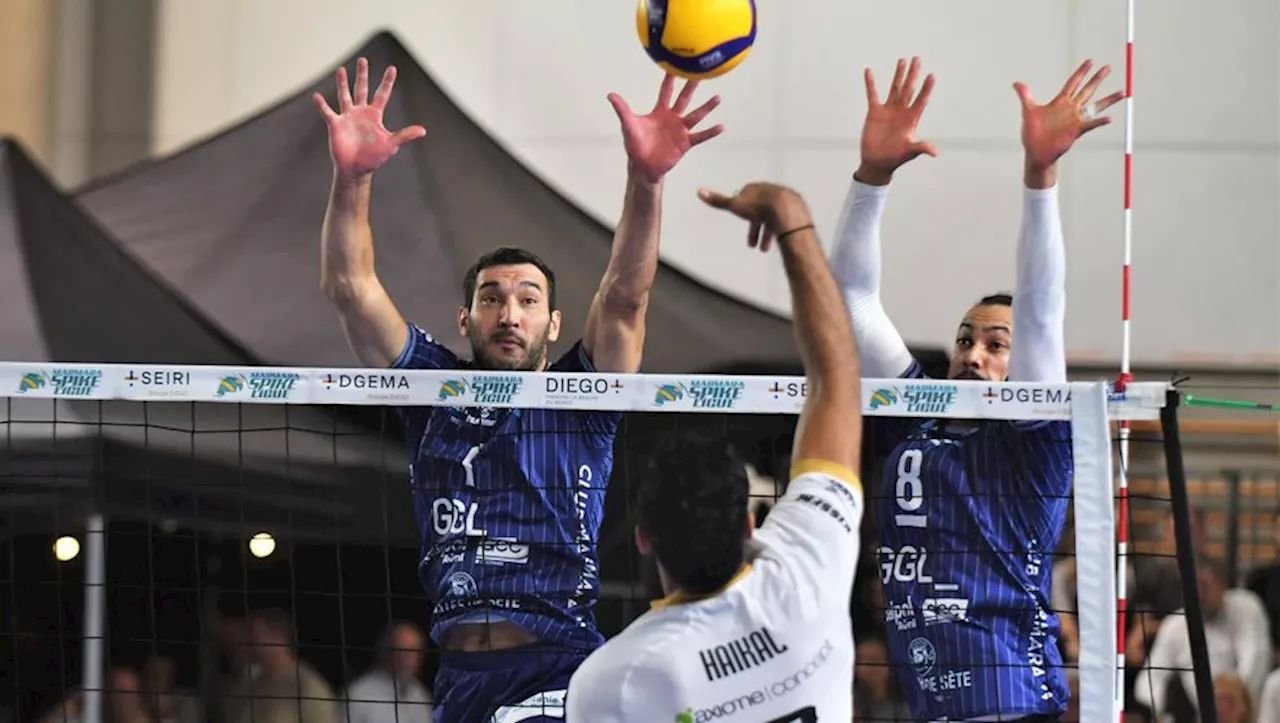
{"x": 536, "y": 75}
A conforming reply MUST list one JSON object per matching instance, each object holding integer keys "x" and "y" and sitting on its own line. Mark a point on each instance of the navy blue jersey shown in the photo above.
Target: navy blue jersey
{"x": 509, "y": 503}
{"x": 970, "y": 513}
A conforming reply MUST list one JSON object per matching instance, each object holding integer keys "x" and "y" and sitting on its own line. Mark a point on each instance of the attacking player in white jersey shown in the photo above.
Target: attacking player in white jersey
{"x": 755, "y": 622}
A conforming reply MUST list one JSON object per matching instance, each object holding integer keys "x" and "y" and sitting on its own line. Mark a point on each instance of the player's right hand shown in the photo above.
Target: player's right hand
{"x": 769, "y": 208}
{"x": 358, "y": 142}
{"x": 889, "y": 132}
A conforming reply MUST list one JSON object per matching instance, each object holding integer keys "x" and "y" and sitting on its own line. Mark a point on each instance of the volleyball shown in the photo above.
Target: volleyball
{"x": 697, "y": 39}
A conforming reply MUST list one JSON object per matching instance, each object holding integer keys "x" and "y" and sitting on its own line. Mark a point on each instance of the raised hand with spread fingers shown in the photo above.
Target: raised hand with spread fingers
{"x": 656, "y": 141}
{"x": 358, "y": 141}
{"x": 889, "y": 131}
{"x": 1051, "y": 129}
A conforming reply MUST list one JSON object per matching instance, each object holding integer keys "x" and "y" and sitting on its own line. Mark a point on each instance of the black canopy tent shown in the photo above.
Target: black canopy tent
{"x": 72, "y": 294}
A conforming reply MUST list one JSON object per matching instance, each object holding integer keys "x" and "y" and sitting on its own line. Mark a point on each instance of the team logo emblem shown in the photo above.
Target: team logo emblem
{"x": 922, "y": 655}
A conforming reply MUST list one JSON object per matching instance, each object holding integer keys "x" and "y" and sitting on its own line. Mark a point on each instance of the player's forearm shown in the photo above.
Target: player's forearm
{"x": 827, "y": 349}
{"x": 346, "y": 239}
{"x": 1040, "y": 300}
{"x": 856, "y": 263}
{"x": 1039, "y": 177}
{"x": 633, "y": 262}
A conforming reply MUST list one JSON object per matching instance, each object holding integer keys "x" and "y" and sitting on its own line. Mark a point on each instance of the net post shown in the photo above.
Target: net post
{"x": 94, "y": 613}
{"x": 1181, "y": 504}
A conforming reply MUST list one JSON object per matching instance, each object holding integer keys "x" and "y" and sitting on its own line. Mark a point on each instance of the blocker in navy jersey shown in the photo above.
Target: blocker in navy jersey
{"x": 970, "y": 514}
{"x": 509, "y": 502}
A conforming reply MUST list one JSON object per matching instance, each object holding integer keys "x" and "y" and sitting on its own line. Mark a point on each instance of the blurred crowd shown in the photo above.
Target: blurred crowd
{"x": 268, "y": 683}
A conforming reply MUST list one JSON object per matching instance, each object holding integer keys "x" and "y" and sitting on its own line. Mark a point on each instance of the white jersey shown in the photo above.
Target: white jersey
{"x": 774, "y": 646}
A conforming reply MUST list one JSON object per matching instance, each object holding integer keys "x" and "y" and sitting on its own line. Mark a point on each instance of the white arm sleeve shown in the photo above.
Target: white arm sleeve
{"x": 1040, "y": 299}
{"x": 855, "y": 263}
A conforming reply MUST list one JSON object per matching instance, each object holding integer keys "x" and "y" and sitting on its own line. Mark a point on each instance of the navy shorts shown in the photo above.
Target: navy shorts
{"x": 520, "y": 685}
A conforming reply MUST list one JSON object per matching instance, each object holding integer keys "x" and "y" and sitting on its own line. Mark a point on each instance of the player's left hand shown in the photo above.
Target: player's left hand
{"x": 1049, "y": 130}
{"x": 657, "y": 141}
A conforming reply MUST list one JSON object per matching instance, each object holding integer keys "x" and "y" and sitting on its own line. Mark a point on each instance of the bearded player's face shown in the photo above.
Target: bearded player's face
{"x": 983, "y": 343}
{"x": 510, "y": 322}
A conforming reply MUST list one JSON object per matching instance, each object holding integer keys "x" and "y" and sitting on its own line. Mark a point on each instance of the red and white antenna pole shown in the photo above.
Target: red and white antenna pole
{"x": 1126, "y": 375}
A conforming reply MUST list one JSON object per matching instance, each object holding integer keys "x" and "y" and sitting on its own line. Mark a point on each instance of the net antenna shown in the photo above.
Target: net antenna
{"x": 1090, "y": 407}
{"x": 1126, "y": 374}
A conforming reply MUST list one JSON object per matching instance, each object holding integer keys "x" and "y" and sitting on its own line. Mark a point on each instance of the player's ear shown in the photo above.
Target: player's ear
{"x": 553, "y": 330}
{"x": 642, "y": 543}
{"x": 464, "y": 317}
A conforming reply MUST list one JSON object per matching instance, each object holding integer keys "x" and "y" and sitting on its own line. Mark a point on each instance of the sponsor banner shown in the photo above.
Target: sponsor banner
{"x": 699, "y": 393}
{"x": 356, "y": 386}
{"x": 259, "y": 386}
{"x": 614, "y": 392}
{"x": 585, "y": 391}
{"x": 165, "y": 382}
{"x": 494, "y": 389}
{"x": 56, "y": 381}
{"x": 913, "y": 398}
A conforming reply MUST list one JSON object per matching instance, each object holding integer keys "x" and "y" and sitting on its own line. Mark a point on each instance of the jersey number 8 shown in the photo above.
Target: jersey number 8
{"x": 909, "y": 491}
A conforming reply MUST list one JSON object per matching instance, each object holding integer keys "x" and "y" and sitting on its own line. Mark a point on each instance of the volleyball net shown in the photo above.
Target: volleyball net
{"x": 196, "y": 494}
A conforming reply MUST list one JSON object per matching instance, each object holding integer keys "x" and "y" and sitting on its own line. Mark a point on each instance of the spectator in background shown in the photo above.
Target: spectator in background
{"x": 1269, "y": 701}
{"x": 1064, "y": 598}
{"x": 1155, "y": 593}
{"x": 122, "y": 702}
{"x": 875, "y": 695}
{"x": 1233, "y": 701}
{"x": 391, "y": 691}
{"x": 164, "y": 702}
{"x": 1238, "y": 639}
{"x": 1158, "y": 581}
{"x": 285, "y": 689}
{"x": 1264, "y": 582}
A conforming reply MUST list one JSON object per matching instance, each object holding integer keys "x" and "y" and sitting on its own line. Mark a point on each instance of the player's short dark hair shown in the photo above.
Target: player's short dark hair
{"x": 1000, "y": 299}
{"x": 506, "y": 256}
{"x": 692, "y": 507}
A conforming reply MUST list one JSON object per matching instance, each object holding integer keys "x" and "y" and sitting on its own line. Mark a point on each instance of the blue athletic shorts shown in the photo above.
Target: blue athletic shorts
{"x": 520, "y": 685}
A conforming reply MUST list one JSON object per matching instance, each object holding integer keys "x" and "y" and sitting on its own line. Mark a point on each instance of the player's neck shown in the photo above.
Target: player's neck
{"x": 675, "y": 594}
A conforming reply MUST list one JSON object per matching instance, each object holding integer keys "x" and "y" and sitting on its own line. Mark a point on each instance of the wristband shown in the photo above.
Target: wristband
{"x": 796, "y": 230}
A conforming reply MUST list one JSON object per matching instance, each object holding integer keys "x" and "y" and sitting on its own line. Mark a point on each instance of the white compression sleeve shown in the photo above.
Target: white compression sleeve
{"x": 1040, "y": 300}
{"x": 855, "y": 263}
